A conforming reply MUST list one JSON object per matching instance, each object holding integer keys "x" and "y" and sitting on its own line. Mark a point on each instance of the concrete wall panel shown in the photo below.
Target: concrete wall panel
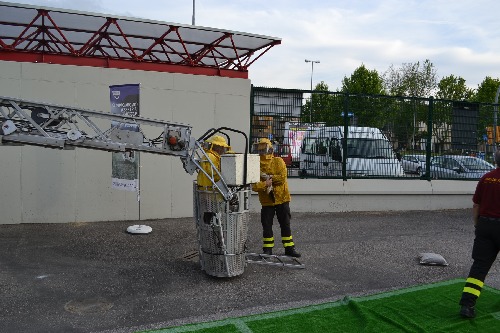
{"x": 61, "y": 93}
{"x": 10, "y": 191}
{"x": 12, "y": 88}
{"x": 95, "y": 199}
{"x": 156, "y": 189}
{"x": 91, "y": 96}
{"x": 66, "y": 186}
{"x": 10, "y": 70}
{"x": 47, "y": 185}
{"x": 335, "y": 195}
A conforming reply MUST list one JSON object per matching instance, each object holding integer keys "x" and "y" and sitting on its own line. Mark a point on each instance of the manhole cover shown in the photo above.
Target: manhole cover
{"x": 92, "y": 305}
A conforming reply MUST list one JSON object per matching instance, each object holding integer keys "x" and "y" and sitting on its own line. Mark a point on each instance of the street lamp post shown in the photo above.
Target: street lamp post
{"x": 194, "y": 3}
{"x": 312, "y": 71}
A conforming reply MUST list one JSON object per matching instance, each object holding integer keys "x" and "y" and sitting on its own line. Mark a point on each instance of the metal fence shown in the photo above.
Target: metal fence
{"x": 340, "y": 135}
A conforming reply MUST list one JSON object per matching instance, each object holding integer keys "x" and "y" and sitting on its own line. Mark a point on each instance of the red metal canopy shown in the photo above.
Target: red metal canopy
{"x": 60, "y": 36}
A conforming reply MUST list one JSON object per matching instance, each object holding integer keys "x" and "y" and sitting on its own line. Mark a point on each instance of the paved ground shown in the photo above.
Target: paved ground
{"x": 94, "y": 277}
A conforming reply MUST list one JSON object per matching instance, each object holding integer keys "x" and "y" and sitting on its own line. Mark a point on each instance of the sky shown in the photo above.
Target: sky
{"x": 460, "y": 37}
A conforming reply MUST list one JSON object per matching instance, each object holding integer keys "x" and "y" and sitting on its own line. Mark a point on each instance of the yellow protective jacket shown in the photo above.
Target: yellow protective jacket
{"x": 202, "y": 180}
{"x": 273, "y": 166}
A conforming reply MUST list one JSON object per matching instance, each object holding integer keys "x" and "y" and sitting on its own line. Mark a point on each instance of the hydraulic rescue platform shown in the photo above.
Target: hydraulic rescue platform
{"x": 221, "y": 212}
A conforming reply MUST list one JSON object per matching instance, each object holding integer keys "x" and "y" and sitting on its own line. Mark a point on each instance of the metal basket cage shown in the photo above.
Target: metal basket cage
{"x": 222, "y": 265}
{"x": 222, "y": 228}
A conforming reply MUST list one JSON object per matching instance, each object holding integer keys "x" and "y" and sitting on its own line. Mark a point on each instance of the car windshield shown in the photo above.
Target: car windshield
{"x": 476, "y": 164}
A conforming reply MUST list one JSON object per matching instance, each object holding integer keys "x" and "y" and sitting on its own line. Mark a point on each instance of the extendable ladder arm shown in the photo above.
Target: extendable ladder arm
{"x": 54, "y": 126}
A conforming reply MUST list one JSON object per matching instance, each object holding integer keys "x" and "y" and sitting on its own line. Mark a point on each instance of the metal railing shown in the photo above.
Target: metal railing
{"x": 341, "y": 135}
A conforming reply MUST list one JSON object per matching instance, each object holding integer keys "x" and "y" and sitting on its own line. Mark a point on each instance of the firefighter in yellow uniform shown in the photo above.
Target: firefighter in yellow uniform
{"x": 215, "y": 146}
{"x": 274, "y": 198}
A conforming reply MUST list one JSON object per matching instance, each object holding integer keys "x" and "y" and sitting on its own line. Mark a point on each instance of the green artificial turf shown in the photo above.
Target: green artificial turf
{"x": 427, "y": 308}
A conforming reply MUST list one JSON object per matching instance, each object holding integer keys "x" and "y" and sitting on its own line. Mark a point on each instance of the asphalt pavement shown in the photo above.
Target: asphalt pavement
{"x": 96, "y": 277}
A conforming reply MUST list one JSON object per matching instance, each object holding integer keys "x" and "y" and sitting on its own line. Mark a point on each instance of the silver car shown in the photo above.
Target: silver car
{"x": 451, "y": 166}
{"x": 414, "y": 164}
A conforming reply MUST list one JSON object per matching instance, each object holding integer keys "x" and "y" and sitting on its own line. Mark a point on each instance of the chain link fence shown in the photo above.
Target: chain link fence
{"x": 340, "y": 135}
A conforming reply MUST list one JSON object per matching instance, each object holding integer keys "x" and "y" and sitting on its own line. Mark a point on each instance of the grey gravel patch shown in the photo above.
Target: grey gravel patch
{"x": 86, "y": 306}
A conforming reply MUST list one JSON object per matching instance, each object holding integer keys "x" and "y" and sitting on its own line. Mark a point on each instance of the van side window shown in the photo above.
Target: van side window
{"x": 335, "y": 150}
{"x": 321, "y": 147}
{"x": 308, "y": 146}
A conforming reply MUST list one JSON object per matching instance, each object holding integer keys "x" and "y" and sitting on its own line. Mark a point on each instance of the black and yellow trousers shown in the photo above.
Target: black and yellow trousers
{"x": 484, "y": 252}
{"x": 282, "y": 212}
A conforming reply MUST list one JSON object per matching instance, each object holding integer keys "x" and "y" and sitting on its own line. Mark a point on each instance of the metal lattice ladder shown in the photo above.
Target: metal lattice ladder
{"x": 274, "y": 260}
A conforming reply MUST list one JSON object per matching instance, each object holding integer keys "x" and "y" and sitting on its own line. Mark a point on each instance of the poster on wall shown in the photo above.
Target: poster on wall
{"x": 124, "y": 99}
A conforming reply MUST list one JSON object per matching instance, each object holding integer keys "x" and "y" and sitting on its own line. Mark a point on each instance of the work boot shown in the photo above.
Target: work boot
{"x": 267, "y": 250}
{"x": 290, "y": 251}
{"x": 467, "y": 311}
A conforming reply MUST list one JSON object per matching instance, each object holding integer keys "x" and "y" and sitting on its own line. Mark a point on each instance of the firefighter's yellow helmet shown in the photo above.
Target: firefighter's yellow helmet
{"x": 263, "y": 147}
{"x": 218, "y": 141}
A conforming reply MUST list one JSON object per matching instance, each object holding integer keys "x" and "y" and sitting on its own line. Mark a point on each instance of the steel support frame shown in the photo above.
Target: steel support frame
{"x": 42, "y": 40}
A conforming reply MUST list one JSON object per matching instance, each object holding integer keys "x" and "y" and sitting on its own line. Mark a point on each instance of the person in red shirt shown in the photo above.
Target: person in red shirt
{"x": 486, "y": 213}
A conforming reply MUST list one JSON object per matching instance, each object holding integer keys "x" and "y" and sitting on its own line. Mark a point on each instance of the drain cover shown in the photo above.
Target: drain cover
{"x": 91, "y": 305}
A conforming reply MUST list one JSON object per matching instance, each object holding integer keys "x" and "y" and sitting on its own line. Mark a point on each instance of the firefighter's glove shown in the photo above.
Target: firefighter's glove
{"x": 269, "y": 181}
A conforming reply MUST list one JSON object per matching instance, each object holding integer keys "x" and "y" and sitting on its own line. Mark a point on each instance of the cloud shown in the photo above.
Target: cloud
{"x": 458, "y": 37}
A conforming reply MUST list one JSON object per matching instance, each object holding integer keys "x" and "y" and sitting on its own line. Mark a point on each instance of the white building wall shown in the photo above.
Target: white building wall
{"x": 42, "y": 185}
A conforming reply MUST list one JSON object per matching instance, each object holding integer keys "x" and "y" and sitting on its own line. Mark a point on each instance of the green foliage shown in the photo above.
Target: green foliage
{"x": 487, "y": 90}
{"x": 362, "y": 94}
{"x": 411, "y": 79}
{"x": 453, "y": 88}
{"x": 322, "y": 106}
{"x": 363, "y": 81}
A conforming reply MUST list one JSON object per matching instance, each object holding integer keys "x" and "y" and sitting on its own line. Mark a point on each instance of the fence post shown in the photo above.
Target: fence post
{"x": 252, "y": 110}
{"x": 344, "y": 142}
{"x": 428, "y": 144}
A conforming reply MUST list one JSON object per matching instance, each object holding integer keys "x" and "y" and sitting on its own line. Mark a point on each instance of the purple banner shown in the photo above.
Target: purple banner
{"x": 124, "y": 99}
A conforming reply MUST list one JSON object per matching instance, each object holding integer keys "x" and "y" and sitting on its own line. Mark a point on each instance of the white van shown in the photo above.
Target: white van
{"x": 369, "y": 153}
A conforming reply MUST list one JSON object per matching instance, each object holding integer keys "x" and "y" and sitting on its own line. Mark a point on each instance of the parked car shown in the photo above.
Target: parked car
{"x": 451, "y": 166}
{"x": 414, "y": 164}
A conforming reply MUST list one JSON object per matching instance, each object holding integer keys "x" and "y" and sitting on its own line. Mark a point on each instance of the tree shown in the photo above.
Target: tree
{"x": 363, "y": 81}
{"x": 411, "y": 79}
{"x": 321, "y": 107}
{"x": 450, "y": 88}
{"x": 360, "y": 89}
{"x": 487, "y": 90}
{"x": 453, "y": 88}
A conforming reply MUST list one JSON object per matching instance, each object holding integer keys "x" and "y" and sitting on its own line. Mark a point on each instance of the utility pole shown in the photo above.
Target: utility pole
{"x": 312, "y": 71}
{"x": 194, "y": 5}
